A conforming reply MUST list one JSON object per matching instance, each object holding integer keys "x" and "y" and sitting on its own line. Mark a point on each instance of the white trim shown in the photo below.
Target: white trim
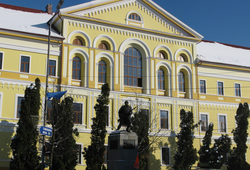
{"x": 16, "y": 102}
{"x": 200, "y": 86}
{"x": 168, "y": 128}
{"x": 29, "y": 49}
{"x": 1, "y": 103}
{"x": 82, "y": 103}
{"x": 235, "y": 89}
{"x": 105, "y": 36}
{"x": 223, "y": 76}
{"x": 223, "y": 91}
{"x": 166, "y": 48}
{"x": 169, "y": 156}
{"x": 22, "y": 55}
{"x": 190, "y": 78}
{"x": 130, "y": 12}
{"x": 55, "y": 68}
{"x": 218, "y": 122}
{"x": 183, "y": 49}
{"x": 203, "y": 113}
{"x": 82, "y": 33}
{"x": 81, "y": 156}
{"x": 2, "y": 59}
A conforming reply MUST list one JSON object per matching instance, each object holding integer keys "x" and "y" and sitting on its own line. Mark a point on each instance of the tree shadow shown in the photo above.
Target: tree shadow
{"x": 6, "y": 132}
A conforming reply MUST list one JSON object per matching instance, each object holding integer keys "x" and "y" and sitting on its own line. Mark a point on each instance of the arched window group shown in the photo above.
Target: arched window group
{"x": 132, "y": 67}
{"x": 77, "y": 41}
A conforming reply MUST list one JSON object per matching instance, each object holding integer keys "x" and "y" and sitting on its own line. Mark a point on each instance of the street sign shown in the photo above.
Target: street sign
{"x": 45, "y": 131}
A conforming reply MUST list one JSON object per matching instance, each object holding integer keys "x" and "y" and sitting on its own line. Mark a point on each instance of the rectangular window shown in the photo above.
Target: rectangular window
{"x": 204, "y": 122}
{"x": 25, "y": 63}
{"x": 165, "y": 152}
{"x": 237, "y": 90}
{"x": 1, "y": 60}
{"x": 79, "y": 153}
{"x": 164, "y": 119}
{"x": 220, "y": 88}
{"x": 77, "y": 110}
{"x": 203, "y": 86}
{"x": 222, "y": 123}
{"x": 19, "y": 100}
{"x": 52, "y": 68}
{"x": 49, "y": 110}
{"x": 106, "y": 155}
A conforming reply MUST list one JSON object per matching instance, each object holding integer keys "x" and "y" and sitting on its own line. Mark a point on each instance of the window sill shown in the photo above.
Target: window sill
{"x": 133, "y": 87}
{"x": 76, "y": 80}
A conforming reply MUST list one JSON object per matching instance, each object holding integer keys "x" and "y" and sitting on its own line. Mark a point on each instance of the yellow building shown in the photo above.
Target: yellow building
{"x": 147, "y": 56}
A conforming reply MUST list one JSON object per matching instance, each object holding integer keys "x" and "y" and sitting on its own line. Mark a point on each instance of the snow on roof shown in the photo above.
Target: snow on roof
{"x": 25, "y": 20}
{"x": 223, "y": 53}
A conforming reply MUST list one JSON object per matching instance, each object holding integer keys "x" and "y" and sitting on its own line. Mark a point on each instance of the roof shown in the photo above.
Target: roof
{"x": 26, "y": 20}
{"x": 210, "y": 51}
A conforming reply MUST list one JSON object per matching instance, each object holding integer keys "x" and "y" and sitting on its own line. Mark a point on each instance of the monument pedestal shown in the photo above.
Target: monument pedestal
{"x": 122, "y": 150}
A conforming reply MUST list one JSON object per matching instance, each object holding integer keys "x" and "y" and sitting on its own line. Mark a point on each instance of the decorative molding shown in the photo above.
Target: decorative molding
{"x": 223, "y": 76}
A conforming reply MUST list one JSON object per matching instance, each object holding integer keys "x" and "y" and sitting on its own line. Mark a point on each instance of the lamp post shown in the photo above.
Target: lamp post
{"x": 59, "y": 5}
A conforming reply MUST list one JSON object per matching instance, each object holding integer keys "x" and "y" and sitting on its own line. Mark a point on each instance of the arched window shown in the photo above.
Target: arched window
{"x": 161, "y": 79}
{"x": 103, "y": 46}
{"x": 102, "y": 72}
{"x": 182, "y": 58}
{"x": 76, "y": 68}
{"x": 77, "y": 41}
{"x": 181, "y": 81}
{"x": 160, "y": 55}
{"x": 132, "y": 67}
{"x": 134, "y": 16}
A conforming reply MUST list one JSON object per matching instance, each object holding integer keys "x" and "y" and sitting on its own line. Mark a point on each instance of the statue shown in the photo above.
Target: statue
{"x": 125, "y": 113}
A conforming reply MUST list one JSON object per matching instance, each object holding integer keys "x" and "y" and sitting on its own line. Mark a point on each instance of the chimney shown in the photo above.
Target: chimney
{"x": 49, "y": 8}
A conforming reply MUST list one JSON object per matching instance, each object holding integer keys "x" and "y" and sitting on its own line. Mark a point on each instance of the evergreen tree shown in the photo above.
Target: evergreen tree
{"x": 64, "y": 152}
{"x": 94, "y": 154}
{"x": 237, "y": 159}
{"x": 186, "y": 154}
{"x": 140, "y": 125}
{"x": 204, "y": 152}
{"x": 24, "y": 143}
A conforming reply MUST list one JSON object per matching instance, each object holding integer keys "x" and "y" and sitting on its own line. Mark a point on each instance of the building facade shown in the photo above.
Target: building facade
{"x": 147, "y": 56}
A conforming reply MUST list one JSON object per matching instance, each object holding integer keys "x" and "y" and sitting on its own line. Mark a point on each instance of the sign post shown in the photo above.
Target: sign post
{"x": 45, "y": 131}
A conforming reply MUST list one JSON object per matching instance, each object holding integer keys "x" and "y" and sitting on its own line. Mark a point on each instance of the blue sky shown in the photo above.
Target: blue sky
{"x": 224, "y": 21}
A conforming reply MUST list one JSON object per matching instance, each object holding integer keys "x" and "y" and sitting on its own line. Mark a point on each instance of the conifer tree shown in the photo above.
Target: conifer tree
{"x": 237, "y": 159}
{"x": 64, "y": 152}
{"x": 24, "y": 143}
{"x": 94, "y": 154}
{"x": 186, "y": 154}
{"x": 204, "y": 151}
{"x": 140, "y": 125}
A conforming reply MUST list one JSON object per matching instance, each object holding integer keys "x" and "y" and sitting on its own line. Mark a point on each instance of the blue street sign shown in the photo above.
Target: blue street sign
{"x": 45, "y": 131}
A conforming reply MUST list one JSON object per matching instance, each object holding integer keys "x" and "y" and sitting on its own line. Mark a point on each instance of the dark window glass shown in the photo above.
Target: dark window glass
{"x": 78, "y": 149}
{"x": 134, "y": 16}
{"x": 77, "y": 110}
{"x": 220, "y": 88}
{"x": 76, "y": 68}
{"x": 222, "y": 123}
{"x": 52, "y": 68}
{"x": 237, "y": 90}
{"x": 132, "y": 67}
{"x": 165, "y": 156}
{"x": 78, "y": 42}
{"x": 164, "y": 119}
{"x": 49, "y": 110}
{"x": 19, "y": 100}
{"x": 202, "y": 86}
{"x": 161, "y": 79}
{"x": 25, "y": 62}
{"x": 204, "y": 122}
{"x": 1, "y": 60}
{"x": 102, "y": 72}
{"x": 181, "y": 82}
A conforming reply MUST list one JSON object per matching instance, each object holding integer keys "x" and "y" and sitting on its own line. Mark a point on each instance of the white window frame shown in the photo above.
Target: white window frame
{"x": 16, "y": 102}
{"x": 202, "y": 113}
{"x": 82, "y": 103}
{"x": 205, "y": 86}
{"x": 218, "y": 118}
{"x": 2, "y": 59}
{"x": 47, "y": 64}
{"x": 222, "y": 88}
{"x": 240, "y": 90}
{"x": 81, "y": 157}
{"x": 168, "y": 119}
{"x": 1, "y": 103}
{"x": 20, "y": 59}
{"x": 130, "y": 12}
{"x": 169, "y": 156}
